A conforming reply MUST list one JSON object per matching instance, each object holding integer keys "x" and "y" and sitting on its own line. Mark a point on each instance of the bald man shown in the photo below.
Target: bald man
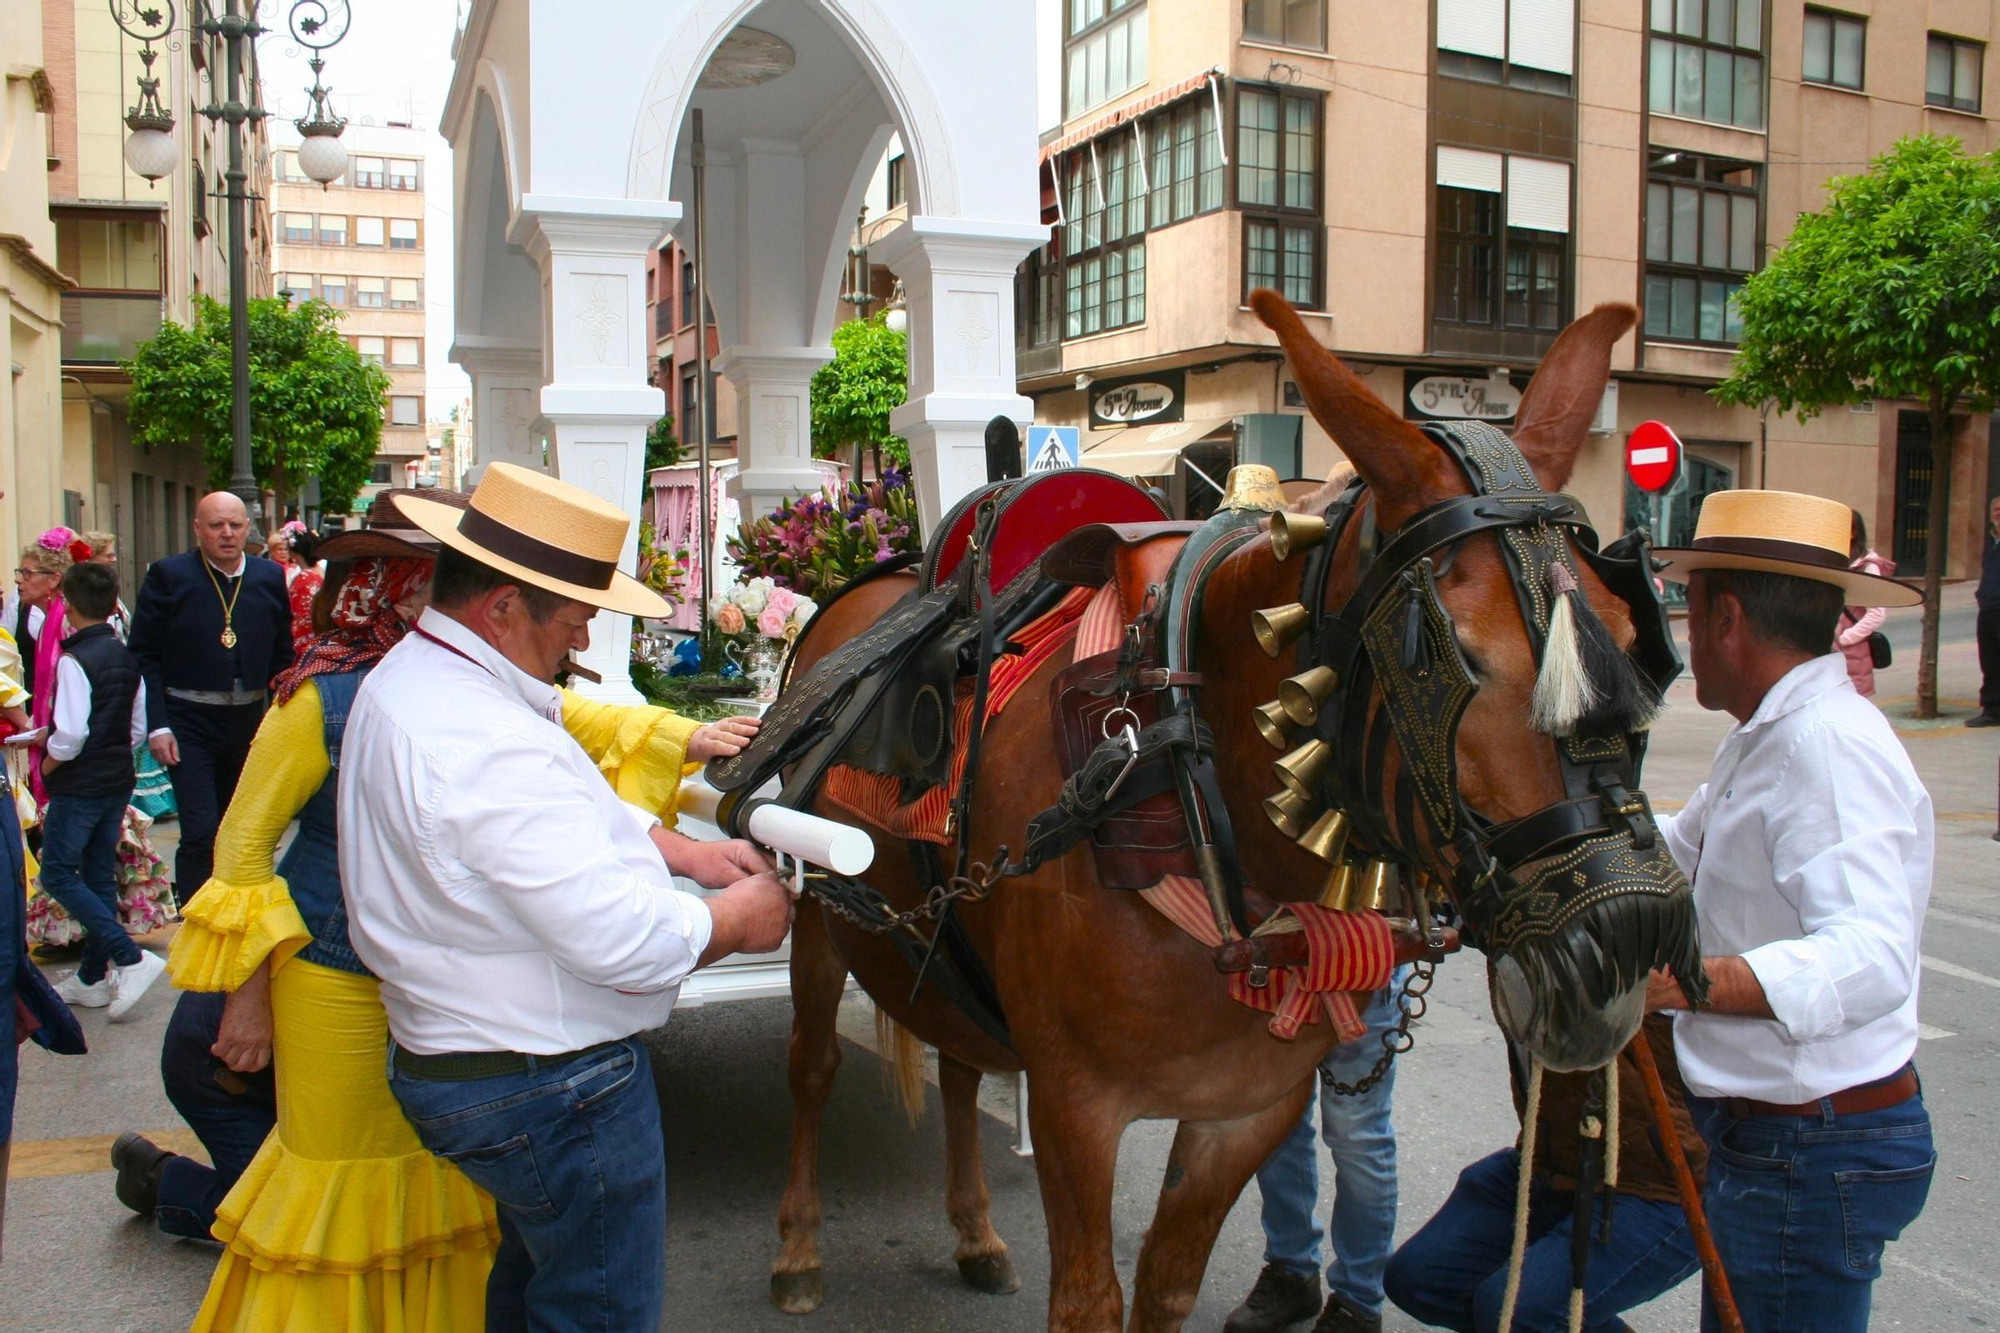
{"x": 211, "y": 628}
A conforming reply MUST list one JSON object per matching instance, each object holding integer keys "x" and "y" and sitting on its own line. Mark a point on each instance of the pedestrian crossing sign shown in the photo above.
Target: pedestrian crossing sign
{"x": 1052, "y": 448}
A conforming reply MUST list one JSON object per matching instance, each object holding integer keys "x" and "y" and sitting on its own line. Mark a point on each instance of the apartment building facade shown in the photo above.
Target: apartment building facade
{"x": 136, "y": 253}
{"x": 1442, "y": 187}
{"x": 360, "y": 246}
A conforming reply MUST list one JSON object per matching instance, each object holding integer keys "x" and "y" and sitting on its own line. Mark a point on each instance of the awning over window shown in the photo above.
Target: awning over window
{"x": 1145, "y": 450}
{"x": 1132, "y": 110}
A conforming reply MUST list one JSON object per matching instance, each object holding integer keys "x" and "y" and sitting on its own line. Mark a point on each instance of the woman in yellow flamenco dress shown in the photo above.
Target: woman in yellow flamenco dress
{"x": 343, "y": 1222}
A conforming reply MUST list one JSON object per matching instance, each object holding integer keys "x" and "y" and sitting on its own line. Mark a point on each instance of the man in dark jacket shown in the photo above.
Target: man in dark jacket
{"x": 211, "y": 628}
{"x": 1988, "y": 598}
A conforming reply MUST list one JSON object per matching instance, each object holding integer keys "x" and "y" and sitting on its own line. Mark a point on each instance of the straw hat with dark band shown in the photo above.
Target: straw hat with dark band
{"x": 1781, "y": 532}
{"x": 387, "y": 532}
{"x": 544, "y": 532}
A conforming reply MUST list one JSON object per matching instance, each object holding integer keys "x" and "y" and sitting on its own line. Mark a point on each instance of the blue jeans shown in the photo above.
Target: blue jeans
{"x": 232, "y": 1114}
{"x": 1453, "y": 1272}
{"x": 1802, "y": 1206}
{"x": 1357, "y": 1131}
{"x": 576, "y": 1166}
{"x": 80, "y": 871}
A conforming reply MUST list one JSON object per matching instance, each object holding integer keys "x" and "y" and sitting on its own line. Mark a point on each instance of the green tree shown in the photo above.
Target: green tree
{"x": 853, "y": 394}
{"x": 315, "y": 406}
{"x": 1892, "y": 290}
{"x": 663, "y": 449}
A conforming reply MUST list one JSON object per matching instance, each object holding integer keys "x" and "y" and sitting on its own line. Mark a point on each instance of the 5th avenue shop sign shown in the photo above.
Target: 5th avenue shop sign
{"x": 1153, "y": 400}
{"x": 1460, "y": 397}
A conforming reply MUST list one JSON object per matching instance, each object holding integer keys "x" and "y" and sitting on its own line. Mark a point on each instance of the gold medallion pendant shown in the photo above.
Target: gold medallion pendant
{"x": 229, "y": 638}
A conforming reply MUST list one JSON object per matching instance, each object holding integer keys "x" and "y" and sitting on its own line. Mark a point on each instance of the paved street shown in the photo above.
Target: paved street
{"x": 76, "y": 1261}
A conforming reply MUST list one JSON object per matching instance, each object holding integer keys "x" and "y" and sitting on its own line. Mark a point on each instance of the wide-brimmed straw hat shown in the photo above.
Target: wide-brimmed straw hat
{"x": 546, "y": 533}
{"x": 1781, "y": 532}
{"x": 387, "y": 531}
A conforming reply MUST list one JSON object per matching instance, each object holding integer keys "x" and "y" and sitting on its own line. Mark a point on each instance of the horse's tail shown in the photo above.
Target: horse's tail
{"x": 903, "y": 1057}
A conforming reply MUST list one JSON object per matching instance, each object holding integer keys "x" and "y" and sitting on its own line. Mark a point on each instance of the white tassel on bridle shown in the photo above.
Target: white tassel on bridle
{"x": 1563, "y": 690}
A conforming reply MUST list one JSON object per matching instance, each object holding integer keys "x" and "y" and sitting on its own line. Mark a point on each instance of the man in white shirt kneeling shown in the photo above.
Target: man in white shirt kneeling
{"x": 522, "y": 919}
{"x": 1810, "y": 852}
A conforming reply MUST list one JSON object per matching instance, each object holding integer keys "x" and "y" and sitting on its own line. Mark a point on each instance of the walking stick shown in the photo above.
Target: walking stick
{"x": 1670, "y": 1139}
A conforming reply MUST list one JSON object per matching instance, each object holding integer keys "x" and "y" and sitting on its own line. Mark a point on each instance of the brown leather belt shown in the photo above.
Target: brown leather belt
{"x": 1880, "y": 1095}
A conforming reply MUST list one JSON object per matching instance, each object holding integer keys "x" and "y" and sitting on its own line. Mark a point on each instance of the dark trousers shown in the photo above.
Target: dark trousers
{"x": 1988, "y": 630}
{"x": 214, "y": 742}
{"x": 80, "y": 871}
{"x": 230, "y": 1113}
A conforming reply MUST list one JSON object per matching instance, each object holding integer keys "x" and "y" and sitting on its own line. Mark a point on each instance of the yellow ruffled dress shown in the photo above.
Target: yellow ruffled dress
{"x": 343, "y": 1223}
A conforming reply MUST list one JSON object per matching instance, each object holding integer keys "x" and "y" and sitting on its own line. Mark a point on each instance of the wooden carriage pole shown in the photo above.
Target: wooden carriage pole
{"x": 706, "y": 526}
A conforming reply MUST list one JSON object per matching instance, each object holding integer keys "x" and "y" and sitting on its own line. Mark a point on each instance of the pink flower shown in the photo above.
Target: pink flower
{"x": 784, "y": 599}
{"x": 729, "y": 618}
{"x": 771, "y": 621}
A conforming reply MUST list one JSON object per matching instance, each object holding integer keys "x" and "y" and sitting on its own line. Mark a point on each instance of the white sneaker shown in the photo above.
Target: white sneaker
{"x": 92, "y": 995}
{"x": 130, "y": 983}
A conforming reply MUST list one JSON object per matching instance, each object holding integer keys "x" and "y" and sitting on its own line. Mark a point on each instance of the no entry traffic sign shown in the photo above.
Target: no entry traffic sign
{"x": 1653, "y": 456}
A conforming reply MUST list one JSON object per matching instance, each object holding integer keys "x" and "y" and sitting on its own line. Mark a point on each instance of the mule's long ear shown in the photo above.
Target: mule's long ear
{"x": 1404, "y": 468}
{"x": 1563, "y": 397}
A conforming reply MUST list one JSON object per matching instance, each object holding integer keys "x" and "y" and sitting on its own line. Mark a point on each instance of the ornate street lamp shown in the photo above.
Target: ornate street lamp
{"x": 315, "y": 25}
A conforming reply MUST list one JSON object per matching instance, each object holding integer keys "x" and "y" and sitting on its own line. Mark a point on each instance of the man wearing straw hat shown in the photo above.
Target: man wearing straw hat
{"x": 1810, "y": 852}
{"x": 523, "y": 920}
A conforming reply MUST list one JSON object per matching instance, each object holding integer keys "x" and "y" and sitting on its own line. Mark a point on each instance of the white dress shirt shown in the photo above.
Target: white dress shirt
{"x": 1810, "y": 851}
{"x": 503, "y": 893}
{"x": 69, "y": 723}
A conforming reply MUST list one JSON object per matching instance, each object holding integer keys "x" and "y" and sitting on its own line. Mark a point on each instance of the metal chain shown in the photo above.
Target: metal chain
{"x": 974, "y": 887}
{"x": 1395, "y": 1040}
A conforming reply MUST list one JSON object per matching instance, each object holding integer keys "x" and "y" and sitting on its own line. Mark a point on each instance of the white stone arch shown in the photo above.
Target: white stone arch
{"x": 875, "y": 42}
{"x": 492, "y": 176}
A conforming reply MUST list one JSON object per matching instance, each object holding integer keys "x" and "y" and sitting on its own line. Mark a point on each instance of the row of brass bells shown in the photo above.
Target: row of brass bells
{"x": 1355, "y": 886}
{"x": 1302, "y": 769}
{"x": 1288, "y": 810}
{"x": 1277, "y": 626}
{"x": 1292, "y": 533}
{"x": 1274, "y": 724}
{"x": 1303, "y": 695}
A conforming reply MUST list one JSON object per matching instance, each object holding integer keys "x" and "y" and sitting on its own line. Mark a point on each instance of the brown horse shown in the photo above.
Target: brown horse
{"x": 1115, "y": 1013}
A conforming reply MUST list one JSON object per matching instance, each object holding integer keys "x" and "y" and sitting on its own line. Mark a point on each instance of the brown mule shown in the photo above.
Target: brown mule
{"x": 1114, "y": 1012}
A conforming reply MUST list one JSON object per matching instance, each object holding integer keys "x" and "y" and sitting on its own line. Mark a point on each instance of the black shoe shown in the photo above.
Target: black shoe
{"x": 1984, "y": 720}
{"x": 138, "y": 1161}
{"x": 1280, "y": 1299}
{"x": 1344, "y": 1316}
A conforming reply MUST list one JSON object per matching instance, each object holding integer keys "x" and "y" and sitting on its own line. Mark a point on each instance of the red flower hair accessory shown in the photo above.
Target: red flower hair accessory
{"x": 79, "y": 551}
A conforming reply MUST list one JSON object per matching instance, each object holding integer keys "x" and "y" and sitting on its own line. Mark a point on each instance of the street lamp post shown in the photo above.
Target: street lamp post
{"x": 315, "y": 25}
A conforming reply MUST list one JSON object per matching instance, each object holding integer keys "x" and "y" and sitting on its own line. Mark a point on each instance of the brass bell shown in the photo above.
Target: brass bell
{"x": 1288, "y": 810}
{"x": 1301, "y": 695}
{"x": 1291, "y": 533}
{"x": 1300, "y": 770}
{"x": 1274, "y": 724}
{"x": 1276, "y": 626}
{"x": 1378, "y": 887}
{"x": 1327, "y": 838}
{"x": 1338, "y": 895}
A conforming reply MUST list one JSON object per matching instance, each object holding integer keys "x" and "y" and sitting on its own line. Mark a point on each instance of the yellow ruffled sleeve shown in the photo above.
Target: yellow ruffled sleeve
{"x": 11, "y": 693}
{"x": 641, "y": 750}
{"x": 245, "y": 914}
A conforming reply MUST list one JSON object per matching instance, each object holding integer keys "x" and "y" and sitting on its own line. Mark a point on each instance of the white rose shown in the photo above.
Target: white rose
{"x": 803, "y": 611}
{"x": 752, "y": 600}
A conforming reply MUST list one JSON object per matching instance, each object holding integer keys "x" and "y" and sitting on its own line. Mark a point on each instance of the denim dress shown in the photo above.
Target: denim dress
{"x": 312, "y": 866}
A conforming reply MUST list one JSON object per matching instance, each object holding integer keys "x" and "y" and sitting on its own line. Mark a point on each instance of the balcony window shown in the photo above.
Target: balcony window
{"x": 1300, "y": 23}
{"x": 1277, "y": 186}
{"x": 406, "y": 352}
{"x": 402, "y": 174}
{"x": 1701, "y": 244}
{"x": 103, "y": 328}
{"x": 1105, "y": 51}
{"x": 109, "y": 254}
{"x": 368, "y": 173}
{"x": 1707, "y": 61}
{"x": 1502, "y": 254}
{"x": 1835, "y": 45}
{"x": 371, "y": 293}
{"x": 332, "y": 229}
{"x": 403, "y": 294}
{"x": 1521, "y": 43}
{"x": 369, "y": 231}
{"x": 406, "y": 410}
{"x": 402, "y": 233}
{"x": 298, "y": 229}
{"x": 373, "y": 350}
{"x": 1952, "y": 73}
{"x": 333, "y": 288}
{"x": 1105, "y": 241}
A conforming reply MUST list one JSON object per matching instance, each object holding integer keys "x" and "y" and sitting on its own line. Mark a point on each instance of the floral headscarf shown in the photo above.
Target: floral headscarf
{"x": 366, "y": 623}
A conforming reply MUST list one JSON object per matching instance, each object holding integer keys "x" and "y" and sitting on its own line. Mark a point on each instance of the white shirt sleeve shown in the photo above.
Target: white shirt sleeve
{"x": 1839, "y": 856}
{"x": 551, "y": 859}
{"x": 139, "y": 716}
{"x": 1683, "y": 830}
{"x": 70, "y": 720}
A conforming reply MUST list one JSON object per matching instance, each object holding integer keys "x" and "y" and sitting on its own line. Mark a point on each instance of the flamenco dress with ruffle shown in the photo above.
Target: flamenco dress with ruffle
{"x": 344, "y": 1222}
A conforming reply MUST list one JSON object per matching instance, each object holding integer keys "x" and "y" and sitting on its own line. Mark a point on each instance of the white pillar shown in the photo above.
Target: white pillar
{"x": 596, "y": 404}
{"x": 773, "y": 423}
{"x": 958, "y": 277}
{"x": 506, "y": 388}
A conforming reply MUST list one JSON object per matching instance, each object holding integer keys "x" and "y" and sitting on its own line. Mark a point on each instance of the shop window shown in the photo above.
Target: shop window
{"x": 1835, "y": 48}
{"x": 1952, "y": 73}
{"x": 1706, "y": 61}
{"x": 1701, "y": 244}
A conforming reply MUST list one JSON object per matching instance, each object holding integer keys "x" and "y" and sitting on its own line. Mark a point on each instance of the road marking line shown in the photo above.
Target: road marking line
{"x": 1925, "y": 1032}
{"x": 1962, "y": 973}
{"x": 38, "y": 1159}
{"x": 1963, "y": 919}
